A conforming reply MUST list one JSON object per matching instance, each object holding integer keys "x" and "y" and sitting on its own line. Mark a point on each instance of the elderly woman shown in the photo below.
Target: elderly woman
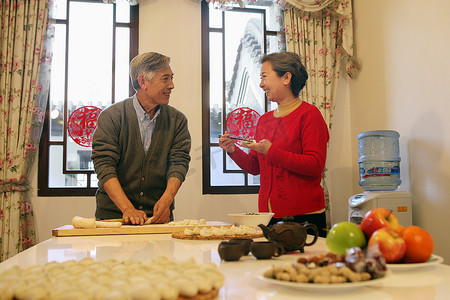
{"x": 290, "y": 148}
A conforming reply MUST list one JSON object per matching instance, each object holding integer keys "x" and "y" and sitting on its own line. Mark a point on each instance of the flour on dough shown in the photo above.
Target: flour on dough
{"x": 83, "y": 223}
{"x": 149, "y": 221}
{"x": 101, "y": 224}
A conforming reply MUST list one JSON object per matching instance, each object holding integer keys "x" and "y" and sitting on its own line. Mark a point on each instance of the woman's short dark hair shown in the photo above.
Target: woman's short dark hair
{"x": 283, "y": 62}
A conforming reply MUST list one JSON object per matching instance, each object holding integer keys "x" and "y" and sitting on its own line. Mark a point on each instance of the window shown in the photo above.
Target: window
{"x": 233, "y": 41}
{"x": 94, "y": 43}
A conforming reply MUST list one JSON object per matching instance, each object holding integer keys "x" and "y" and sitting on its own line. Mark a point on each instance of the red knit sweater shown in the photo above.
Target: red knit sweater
{"x": 291, "y": 171}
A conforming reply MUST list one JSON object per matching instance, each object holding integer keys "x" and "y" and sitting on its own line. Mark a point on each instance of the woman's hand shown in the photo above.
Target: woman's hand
{"x": 263, "y": 146}
{"x": 226, "y": 143}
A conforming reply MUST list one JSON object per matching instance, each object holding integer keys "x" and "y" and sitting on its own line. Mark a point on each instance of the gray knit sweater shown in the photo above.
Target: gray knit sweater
{"x": 117, "y": 151}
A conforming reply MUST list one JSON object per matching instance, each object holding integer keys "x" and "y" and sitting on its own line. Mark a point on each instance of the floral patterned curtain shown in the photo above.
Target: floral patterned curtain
{"x": 131, "y": 2}
{"x": 321, "y": 32}
{"x": 228, "y": 4}
{"x": 25, "y": 57}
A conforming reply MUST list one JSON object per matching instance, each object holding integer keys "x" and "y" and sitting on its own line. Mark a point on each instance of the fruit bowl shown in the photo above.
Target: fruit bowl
{"x": 251, "y": 219}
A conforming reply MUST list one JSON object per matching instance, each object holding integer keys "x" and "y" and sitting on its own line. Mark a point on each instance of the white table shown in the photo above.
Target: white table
{"x": 432, "y": 282}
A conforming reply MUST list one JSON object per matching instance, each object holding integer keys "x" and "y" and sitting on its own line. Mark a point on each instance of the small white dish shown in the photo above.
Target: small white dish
{"x": 251, "y": 219}
{"x": 434, "y": 260}
{"x": 332, "y": 287}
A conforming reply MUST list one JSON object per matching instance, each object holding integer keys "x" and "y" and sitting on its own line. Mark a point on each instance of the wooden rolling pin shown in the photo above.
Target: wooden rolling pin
{"x": 149, "y": 220}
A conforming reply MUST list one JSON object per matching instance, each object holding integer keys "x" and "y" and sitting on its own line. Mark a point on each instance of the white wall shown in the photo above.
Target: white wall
{"x": 404, "y": 85}
{"x": 395, "y": 90}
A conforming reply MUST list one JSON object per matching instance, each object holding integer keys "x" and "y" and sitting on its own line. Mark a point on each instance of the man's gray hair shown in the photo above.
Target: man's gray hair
{"x": 147, "y": 64}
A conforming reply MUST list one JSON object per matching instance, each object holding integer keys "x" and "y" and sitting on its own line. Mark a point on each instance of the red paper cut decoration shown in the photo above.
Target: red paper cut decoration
{"x": 82, "y": 123}
{"x": 241, "y": 122}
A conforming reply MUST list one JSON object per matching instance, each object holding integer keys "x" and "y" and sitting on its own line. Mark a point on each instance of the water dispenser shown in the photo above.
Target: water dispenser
{"x": 379, "y": 176}
{"x": 399, "y": 202}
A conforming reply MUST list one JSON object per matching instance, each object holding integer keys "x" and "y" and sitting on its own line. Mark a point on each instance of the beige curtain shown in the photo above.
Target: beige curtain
{"x": 25, "y": 56}
{"x": 321, "y": 32}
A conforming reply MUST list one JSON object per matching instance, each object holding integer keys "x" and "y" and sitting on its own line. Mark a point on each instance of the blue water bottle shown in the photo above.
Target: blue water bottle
{"x": 379, "y": 160}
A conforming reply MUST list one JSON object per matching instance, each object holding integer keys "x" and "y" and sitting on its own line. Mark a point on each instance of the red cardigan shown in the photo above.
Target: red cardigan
{"x": 291, "y": 172}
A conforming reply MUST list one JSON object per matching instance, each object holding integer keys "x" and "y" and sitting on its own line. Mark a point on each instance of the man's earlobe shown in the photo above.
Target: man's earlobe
{"x": 141, "y": 80}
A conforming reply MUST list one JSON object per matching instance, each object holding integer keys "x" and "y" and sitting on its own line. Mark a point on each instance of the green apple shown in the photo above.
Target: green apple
{"x": 343, "y": 236}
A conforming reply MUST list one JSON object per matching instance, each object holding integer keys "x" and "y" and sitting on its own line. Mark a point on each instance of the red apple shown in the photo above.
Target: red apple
{"x": 391, "y": 244}
{"x": 379, "y": 218}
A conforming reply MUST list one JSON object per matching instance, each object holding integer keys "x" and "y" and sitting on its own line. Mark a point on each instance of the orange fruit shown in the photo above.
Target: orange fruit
{"x": 419, "y": 244}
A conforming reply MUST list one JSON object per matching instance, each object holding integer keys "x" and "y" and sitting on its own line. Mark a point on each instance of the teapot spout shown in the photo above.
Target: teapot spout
{"x": 265, "y": 230}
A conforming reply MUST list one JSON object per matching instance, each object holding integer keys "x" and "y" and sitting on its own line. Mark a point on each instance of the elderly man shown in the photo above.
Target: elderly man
{"x": 141, "y": 148}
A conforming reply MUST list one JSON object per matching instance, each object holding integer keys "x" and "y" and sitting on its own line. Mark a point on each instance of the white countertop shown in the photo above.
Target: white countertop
{"x": 241, "y": 277}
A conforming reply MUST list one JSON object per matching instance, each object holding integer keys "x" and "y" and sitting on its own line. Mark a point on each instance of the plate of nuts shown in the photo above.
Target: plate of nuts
{"x": 330, "y": 272}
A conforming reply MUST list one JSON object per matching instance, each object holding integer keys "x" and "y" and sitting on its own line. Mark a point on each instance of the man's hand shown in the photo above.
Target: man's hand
{"x": 263, "y": 146}
{"x": 134, "y": 216}
{"x": 130, "y": 215}
{"x": 161, "y": 210}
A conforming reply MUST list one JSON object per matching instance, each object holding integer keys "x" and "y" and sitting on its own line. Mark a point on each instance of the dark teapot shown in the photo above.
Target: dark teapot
{"x": 290, "y": 236}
